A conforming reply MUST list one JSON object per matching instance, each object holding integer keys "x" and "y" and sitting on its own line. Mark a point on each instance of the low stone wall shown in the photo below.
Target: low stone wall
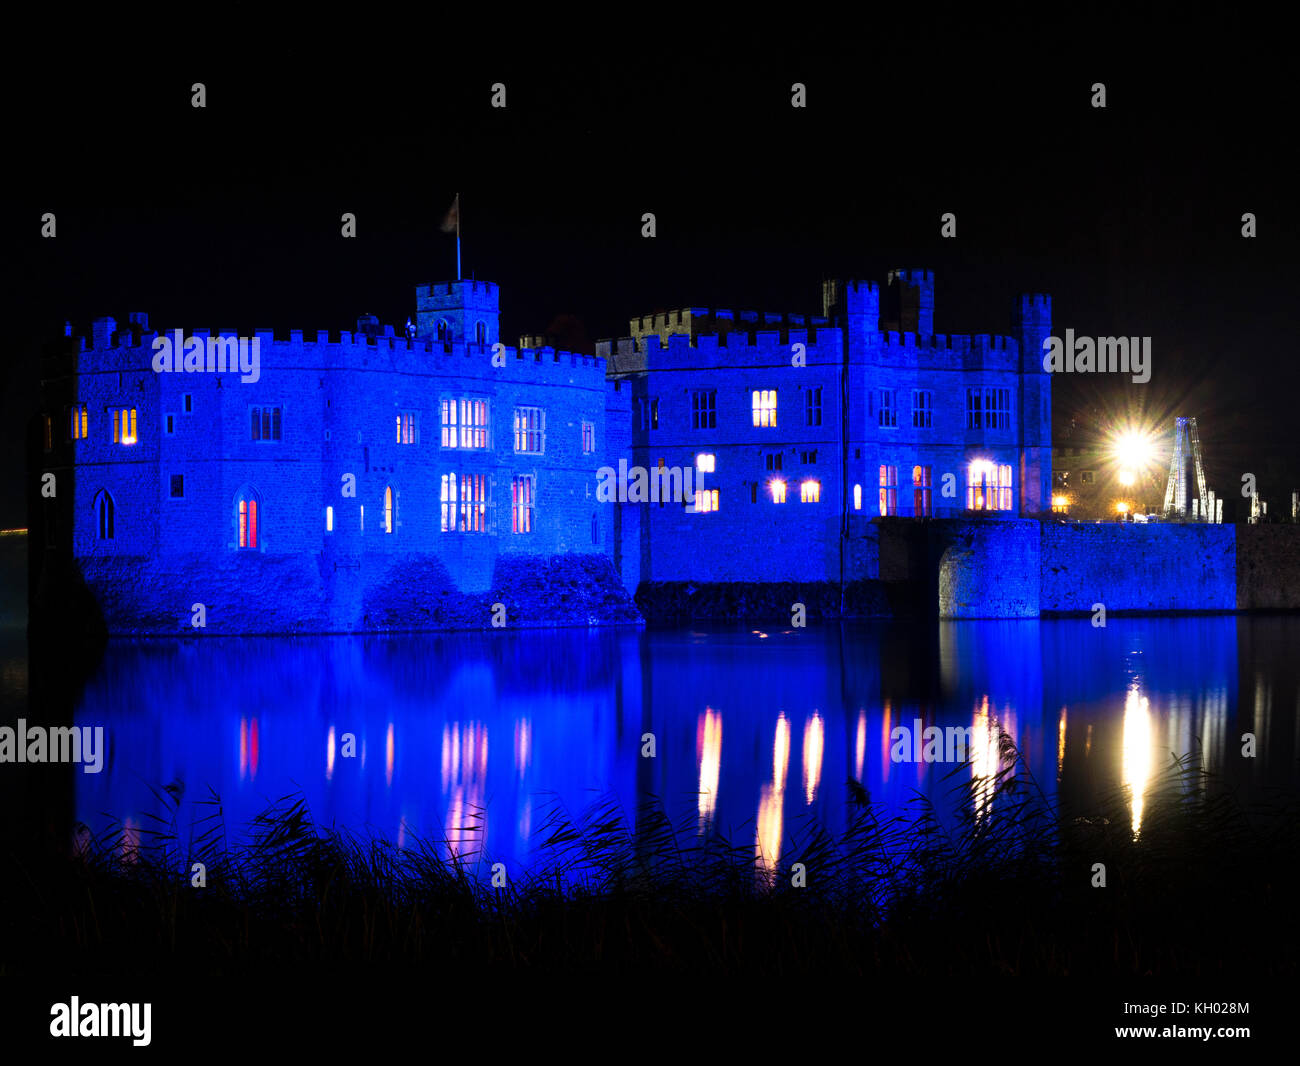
{"x": 1139, "y": 567}
{"x": 263, "y": 593}
{"x": 986, "y": 568}
{"x": 1268, "y": 567}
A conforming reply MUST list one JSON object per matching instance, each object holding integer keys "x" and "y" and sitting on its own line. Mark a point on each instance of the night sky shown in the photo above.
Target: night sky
{"x": 1130, "y": 216}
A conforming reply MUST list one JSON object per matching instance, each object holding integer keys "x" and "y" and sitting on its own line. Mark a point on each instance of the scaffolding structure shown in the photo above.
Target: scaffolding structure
{"x": 1187, "y": 448}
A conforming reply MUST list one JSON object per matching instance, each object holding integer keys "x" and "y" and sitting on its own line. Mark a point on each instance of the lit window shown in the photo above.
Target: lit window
{"x": 464, "y": 423}
{"x": 249, "y": 519}
{"x": 124, "y": 425}
{"x": 704, "y": 463}
{"x": 104, "y": 512}
{"x": 778, "y": 491}
{"x": 988, "y": 486}
{"x": 390, "y": 509}
{"x": 49, "y": 433}
{"x": 362, "y": 520}
{"x": 764, "y": 407}
{"x": 706, "y": 501}
{"x": 521, "y": 504}
{"x": 588, "y": 438}
{"x": 889, "y": 490}
{"x": 79, "y": 422}
{"x": 329, "y": 519}
{"x": 810, "y": 491}
{"x": 922, "y": 505}
{"x": 407, "y": 428}
{"x": 464, "y": 503}
{"x": 529, "y": 425}
{"x": 857, "y": 497}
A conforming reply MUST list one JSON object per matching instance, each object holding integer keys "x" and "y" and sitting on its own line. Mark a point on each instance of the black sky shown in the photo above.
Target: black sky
{"x": 1129, "y": 216}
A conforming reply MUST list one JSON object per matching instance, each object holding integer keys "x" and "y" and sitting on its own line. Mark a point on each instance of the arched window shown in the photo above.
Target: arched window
{"x": 444, "y": 330}
{"x": 480, "y": 333}
{"x": 248, "y": 506}
{"x": 104, "y": 509}
{"x": 390, "y": 509}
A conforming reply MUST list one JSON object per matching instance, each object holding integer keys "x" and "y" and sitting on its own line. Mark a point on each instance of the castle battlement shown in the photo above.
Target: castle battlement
{"x": 131, "y": 349}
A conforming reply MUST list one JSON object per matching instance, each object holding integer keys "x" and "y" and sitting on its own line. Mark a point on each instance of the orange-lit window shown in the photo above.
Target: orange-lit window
{"x": 390, "y": 510}
{"x": 810, "y": 491}
{"x": 705, "y": 463}
{"x": 407, "y": 427}
{"x": 988, "y": 486}
{"x": 706, "y": 500}
{"x": 764, "y": 407}
{"x": 79, "y": 422}
{"x": 889, "y": 490}
{"x": 124, "y": 425}
{"x": 922, "y": 502}
{"x": 857, "y": 497}
{"x": 778, "y": 491}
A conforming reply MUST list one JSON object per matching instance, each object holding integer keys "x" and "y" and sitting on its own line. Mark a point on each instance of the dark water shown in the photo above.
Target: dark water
{"x": 471, "y": 738}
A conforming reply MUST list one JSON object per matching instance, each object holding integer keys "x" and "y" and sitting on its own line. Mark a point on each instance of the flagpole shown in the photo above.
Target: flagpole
{"x": 458, "y": 278}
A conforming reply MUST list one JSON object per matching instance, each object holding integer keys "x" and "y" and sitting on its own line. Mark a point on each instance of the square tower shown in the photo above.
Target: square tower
{"x": 465, "y": 312}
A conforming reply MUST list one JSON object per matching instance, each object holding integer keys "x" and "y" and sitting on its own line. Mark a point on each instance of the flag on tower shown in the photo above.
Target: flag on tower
{"x": 451, "y": 223}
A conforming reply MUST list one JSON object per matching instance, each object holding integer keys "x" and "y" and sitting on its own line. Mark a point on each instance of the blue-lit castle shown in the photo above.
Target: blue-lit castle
{"x": 435, "y": 477}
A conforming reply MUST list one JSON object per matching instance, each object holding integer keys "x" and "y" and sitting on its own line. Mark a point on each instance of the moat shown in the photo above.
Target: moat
{"x": 473, "y": 738}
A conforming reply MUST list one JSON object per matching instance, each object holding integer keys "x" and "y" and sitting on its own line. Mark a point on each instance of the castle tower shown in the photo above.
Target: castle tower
{"x": 466, "y": 312}
{"x": 910, "y": 307}
{"x": 1031, "y": 325}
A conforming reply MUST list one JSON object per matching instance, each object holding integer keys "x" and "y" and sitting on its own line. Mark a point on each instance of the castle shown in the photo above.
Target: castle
{"x": 367, "y": 479}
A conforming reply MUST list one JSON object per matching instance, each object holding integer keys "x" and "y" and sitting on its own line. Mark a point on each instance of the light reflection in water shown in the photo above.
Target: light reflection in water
{"x": 1136, "y": 769}
{"x": 708, "y": 741}
{"x": 812, "y": 756}
{"x": 771, "y": 804}
{"x": 576, "y": 705}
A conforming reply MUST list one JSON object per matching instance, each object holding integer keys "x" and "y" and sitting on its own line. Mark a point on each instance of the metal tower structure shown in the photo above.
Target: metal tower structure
{"x": 1187, "y": 446}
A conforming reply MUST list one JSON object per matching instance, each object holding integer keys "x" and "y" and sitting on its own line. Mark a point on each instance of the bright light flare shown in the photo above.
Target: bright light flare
{"x": 1134, "y": 450}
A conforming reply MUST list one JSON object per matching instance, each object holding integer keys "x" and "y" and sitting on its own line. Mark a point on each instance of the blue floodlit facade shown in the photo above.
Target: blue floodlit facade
{"x": 361, "y": 460}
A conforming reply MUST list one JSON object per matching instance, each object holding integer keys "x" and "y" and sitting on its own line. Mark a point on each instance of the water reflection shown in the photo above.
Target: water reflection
{"x": 1089, "y": 709}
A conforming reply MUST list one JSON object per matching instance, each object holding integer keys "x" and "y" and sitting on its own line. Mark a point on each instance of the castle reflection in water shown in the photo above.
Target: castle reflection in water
{"x": 471, "y": 738}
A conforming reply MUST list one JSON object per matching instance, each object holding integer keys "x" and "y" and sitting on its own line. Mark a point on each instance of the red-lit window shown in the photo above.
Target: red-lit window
{"x": 249, "y": 521}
